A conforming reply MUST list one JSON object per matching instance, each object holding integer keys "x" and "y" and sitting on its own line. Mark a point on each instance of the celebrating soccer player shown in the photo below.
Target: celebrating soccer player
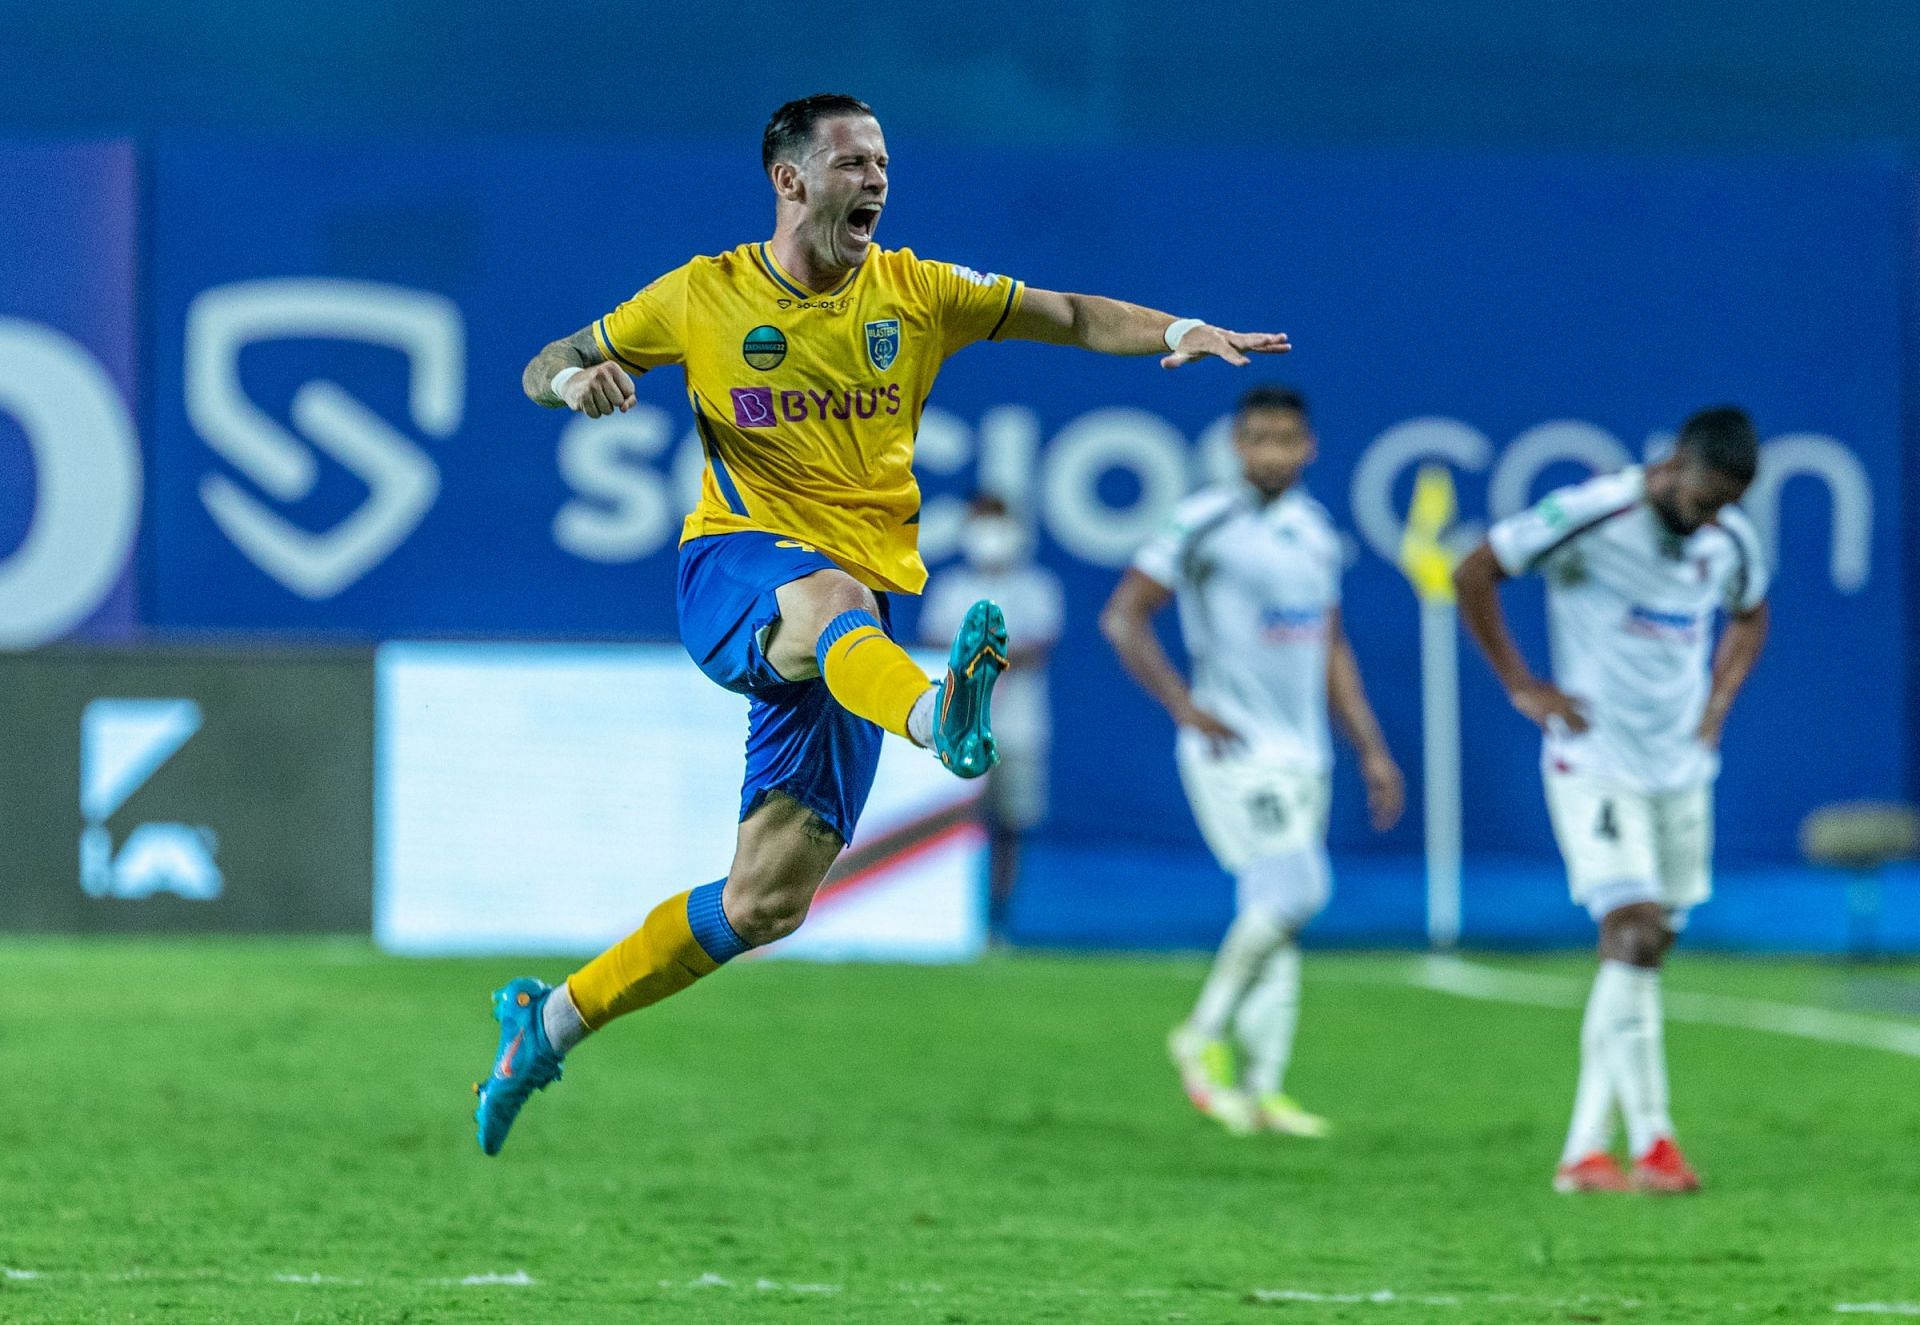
{"x": 808, "y": 360}
{"x": 1255, "y": 567}
{"x": 1636, "y": 564}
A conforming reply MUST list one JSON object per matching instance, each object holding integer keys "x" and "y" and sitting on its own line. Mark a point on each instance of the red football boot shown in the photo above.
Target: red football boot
{"x": 1664, "y": 1169}
{"x": 1598, "y": 1172}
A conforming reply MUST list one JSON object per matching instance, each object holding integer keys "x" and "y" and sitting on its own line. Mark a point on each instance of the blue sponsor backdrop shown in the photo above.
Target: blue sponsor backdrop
{"x": 69, "y": 451}
{"x": 340, "y": 446}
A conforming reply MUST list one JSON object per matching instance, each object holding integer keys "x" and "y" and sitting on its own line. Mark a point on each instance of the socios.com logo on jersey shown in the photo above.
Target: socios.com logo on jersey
{"x": 401, "y": 480}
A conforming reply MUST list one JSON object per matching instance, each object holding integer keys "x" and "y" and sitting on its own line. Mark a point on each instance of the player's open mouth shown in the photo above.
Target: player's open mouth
{"x": 862, "y": 219}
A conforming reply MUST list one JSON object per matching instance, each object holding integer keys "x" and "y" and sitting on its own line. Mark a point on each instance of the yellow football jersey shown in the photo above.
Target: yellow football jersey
{"x": 808, "y": 403}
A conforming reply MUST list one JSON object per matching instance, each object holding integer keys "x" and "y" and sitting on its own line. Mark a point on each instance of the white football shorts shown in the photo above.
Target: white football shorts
{"x": 1623, "y": 845}
{"x": 1249, "y": 807}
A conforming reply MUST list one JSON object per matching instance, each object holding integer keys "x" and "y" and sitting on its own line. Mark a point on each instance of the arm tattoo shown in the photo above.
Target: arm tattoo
{"x": 580, "y": 350}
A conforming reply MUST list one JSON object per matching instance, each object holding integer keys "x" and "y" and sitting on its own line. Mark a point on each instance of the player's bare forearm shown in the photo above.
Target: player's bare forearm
{"x": 1476, "y": 583}
{"x": 1734, "y": 658}
{"x": 1347, "y": 697}
{"x": 1091, "y": 322}
{"x": 580, "y": 350}
{"x": 1127, "y": 623}
{"x": 1113, "y": 326}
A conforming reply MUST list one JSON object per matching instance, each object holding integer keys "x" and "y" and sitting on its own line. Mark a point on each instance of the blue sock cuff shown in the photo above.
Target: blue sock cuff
{"x": 711, "y": 929}
{"x": 839, "y": 628}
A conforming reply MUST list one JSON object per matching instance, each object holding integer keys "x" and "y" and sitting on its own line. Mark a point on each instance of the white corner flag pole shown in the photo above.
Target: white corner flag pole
{"x": 1428, "y": 565}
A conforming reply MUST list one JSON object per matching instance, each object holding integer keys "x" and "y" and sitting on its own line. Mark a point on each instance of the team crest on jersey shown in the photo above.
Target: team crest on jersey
{"x": 883, "y": 342}
{"x": 764, "y": 348}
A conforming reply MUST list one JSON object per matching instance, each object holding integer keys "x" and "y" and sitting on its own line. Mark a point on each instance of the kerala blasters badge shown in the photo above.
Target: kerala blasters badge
{"x": 883, "y": 342}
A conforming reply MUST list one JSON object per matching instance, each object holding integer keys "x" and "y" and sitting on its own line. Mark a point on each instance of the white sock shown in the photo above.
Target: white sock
{"x": 920, "y": 718}
{"x": 1636, "y": 1050}
{"x": 1250, "y": 940}
{"x": 560, "y": 1019}
{"x": 1592, "y": 1128}
{"x": 1266, "y": 1020}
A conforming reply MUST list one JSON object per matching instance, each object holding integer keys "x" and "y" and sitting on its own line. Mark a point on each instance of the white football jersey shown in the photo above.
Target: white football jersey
{"x": 1630, "y": 612}
{"x": 1256, "y": 582}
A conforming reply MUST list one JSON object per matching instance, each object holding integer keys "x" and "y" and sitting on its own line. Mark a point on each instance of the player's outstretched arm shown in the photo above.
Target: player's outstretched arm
{"x": 1111, "y": 326}
{"x": 1733, "y": 661}
{"x": 1127, "y": 622}
{"x": 1476, "y": 582}
{"x": 594, "y": 385}
{"x": 1347, "y": 697}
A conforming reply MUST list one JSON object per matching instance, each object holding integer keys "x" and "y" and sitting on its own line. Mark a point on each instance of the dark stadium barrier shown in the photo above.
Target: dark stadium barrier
{"x": 186, "y": 791}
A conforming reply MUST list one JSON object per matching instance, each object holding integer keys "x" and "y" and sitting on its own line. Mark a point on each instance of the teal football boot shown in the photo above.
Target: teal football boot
{"x": 962, "y": 720}
{"x": 524, "y": 1063}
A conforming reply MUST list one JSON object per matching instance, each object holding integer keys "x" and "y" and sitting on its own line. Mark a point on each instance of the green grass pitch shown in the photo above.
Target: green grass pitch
{"x": 218, "y": 1131}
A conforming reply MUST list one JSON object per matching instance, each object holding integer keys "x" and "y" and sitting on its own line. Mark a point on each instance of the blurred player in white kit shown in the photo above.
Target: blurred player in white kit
{"x": 1255, "y": 566}
{"x": 1637, "y": 564}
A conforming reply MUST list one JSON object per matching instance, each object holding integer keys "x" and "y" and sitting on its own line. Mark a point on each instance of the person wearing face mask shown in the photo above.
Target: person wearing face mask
{"x": 1254, "y": 566}
{"x": 1637, "y": 566}
{"x": 997, "y": 564}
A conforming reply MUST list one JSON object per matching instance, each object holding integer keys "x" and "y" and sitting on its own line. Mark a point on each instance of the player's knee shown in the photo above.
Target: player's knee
{"x": 822, "y": 597}
{"x": 766, "y": 917}
{"x": 1636, "y": 940}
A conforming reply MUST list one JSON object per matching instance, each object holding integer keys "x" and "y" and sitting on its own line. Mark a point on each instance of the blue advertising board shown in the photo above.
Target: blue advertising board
{"x": 69, "y": 450}
{"x": 340, "y": 446}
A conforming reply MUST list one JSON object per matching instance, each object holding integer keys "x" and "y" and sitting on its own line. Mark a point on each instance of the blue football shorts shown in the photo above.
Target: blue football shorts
{"x": 800, "y": 742}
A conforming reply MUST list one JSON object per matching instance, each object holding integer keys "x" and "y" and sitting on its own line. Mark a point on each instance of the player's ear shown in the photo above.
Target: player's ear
{"x": 787, "y": 182}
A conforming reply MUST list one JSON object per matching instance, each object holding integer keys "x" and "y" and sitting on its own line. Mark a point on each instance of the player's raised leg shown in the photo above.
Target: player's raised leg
{"x": 782, "y": 854}
{"x": 830, "y": 628}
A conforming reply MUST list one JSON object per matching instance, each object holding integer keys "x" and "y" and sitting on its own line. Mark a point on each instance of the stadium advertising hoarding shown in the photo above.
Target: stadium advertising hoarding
{"x": 186, "y": 791}
{"x": 69, "y": 448}
{"x": 544, "y": 799}
{"x": 341, "y": 446}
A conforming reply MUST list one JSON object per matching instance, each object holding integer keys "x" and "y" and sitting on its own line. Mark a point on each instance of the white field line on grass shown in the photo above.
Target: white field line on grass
{"x": 516, "y": 1279}
{"x": 1452, "y": 975}
{"x": 1879, "y": 1308}
{"x": 1381, "y": 1297}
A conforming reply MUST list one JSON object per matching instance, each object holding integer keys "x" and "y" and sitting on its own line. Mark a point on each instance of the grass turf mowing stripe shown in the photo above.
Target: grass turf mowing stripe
{"x": 1451, "y": 975}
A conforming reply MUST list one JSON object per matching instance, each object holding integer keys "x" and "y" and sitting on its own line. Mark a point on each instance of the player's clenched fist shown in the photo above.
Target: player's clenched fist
{"x": 596, "y": 391}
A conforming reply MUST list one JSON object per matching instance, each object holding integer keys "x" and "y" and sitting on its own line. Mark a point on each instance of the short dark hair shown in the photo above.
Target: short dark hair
{"x": 1273, "y": 397}
{"x": 1723, "y": 439}
{"x": 791, "y": 127}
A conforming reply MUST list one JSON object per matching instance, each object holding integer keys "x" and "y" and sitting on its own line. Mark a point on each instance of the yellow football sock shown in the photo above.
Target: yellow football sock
{"x": 685, "y": 937}
{"x": 868, "y": 673}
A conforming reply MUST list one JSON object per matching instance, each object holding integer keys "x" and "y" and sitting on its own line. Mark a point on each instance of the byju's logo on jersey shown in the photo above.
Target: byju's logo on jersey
{"x": 764, "y": 348}
{"x": 123, "y": 743}
{"x": 883, "y": 342}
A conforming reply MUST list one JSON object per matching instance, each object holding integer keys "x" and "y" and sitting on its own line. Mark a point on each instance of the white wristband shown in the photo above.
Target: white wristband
{"x": 560, "y": 379}
{"x": 1177, "y": 331}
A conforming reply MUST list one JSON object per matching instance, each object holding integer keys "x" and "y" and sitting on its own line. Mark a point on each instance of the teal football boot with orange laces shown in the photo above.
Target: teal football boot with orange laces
{"x": 963, "y": 720}
{"x": 524, "y": 1063}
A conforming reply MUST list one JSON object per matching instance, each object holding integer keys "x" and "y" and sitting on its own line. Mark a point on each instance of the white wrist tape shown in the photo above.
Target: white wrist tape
{"x": 1177, "y": 331}
{"x": 560, "y": 379}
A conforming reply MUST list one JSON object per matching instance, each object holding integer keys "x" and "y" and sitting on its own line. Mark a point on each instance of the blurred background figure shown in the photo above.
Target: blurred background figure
{"x": 1255, "y": 565}
{"x": 997, "y": 562}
